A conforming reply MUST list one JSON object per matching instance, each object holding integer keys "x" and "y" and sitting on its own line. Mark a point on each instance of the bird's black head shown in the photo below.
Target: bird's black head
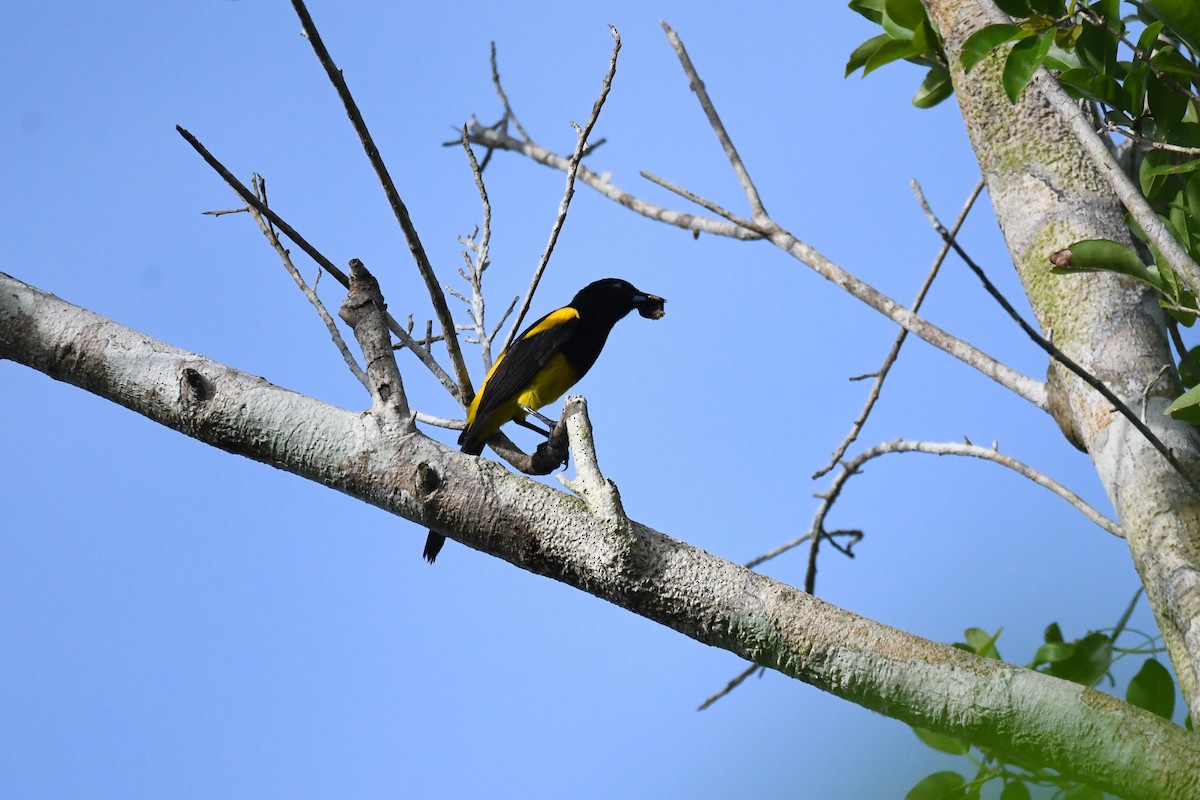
{"x": 613, "y": 298}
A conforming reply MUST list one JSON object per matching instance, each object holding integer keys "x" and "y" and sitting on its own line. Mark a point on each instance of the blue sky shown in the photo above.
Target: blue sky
{"x": 183, "y": 623}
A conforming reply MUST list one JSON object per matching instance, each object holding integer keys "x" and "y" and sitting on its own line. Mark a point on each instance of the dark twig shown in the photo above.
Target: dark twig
{"x": 572, "y": 168}
{"x": 1056, "y": 354}
{"x": 729, "y": 687}
{"x": 881, "y": 375}
{"x": 436, "y": 296}
{"x": 316, "y": 255}
{"x": 853, "y": 466}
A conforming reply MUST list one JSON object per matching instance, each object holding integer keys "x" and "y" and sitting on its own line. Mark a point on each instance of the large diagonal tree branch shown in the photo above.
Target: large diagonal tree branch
{"x": 1048, "y": 192}
{"x": 376, "y": 457}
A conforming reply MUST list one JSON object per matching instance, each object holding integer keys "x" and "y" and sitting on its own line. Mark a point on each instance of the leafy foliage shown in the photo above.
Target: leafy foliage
{"x": 1087, "y": 660}
{"x": 1136, "y": 62}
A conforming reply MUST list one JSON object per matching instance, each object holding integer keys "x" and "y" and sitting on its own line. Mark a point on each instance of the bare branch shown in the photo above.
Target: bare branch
{"x": 436, "y": 296}
{"x": 509, "y": 114}
{"x": 852, "y": 467}
{"x": 479, "y": 263}
{"x": 1032, "y": 390}
{"x": 269, "y": 231}
{"x": 881, "y": 374}
{"x": 756, "y": 206}
{"x": 1052, "y": 351}
{"x": 543, "y": 530}
{"x": 316, "y": 255}
{"x": 601, "y": 183}
{"x": 569, "y": 192}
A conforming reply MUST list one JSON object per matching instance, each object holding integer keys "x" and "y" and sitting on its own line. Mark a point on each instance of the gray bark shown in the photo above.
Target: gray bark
{"x": 380, "y": 458}
{"x": 1048, "y": 194}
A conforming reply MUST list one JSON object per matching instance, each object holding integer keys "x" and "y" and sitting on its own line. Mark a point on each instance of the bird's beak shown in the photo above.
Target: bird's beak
{"x": 650, "y": 306}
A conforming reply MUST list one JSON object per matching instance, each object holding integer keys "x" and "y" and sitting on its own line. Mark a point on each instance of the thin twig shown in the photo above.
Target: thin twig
{"x": 509, "y": 114}
{"x": 569, "y": 192}
{"x": 1056, "y": 354}
{"x": 853, "y": 466}
{"x": 268, "y": 231}
{"x": 1154, "y": 144}
{"x": 316, "y": 255}
{"x": 1032, "y": 390}
{"x": 497, "y": 140}
{"x": 436, "y": 296}
{"x": 881, "y": 374}
{"x": 479, "y": 263}
{"x": 756, "y": 205}
{"x": 705, "y": 203}
{"x": 729, "y": 687}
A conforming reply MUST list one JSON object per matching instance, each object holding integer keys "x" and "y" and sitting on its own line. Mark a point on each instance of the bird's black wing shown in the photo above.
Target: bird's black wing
{"x": 520, "y": 364}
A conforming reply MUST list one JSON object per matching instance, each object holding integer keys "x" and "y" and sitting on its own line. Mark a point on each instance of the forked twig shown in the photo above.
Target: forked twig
{"x": 1032, "y": 390}
{"x": 436, "y": 296}
{"x": 569, "y": 192}
{"x": 851, "y": 468}
{"x": 316, "y": 255}
{"x": 268, "y": 230}
{"x": 881, "y": 374}
{"x": 756, "y": 205}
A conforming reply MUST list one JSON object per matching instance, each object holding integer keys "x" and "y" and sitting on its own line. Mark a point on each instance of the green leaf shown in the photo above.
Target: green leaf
{"x": 1023, "y": 60}
{"x": 1186, "y": 375}
{"x": 1097, "y": 49}
{"x": 938, "y": 741}
{"x": 1148, "y": 41}
{"x": 1083, "y": 82}
{"x": 1110, "y": 12}
{"x": 864, "y": 51}
{"x": 1014, "y": 8}
{"x": 891, "y": 50}
{"x": 934, "y": 89}
{"x": 1185, "y": 402}
{"x": 981, "y": 643}
{"x": 1053, "y": 633}
{"x": 1167, "y": 104}
{"x": 938, "y": 786}
{"x": 1103, "y": 255}
{"x": 1088, "y": 664}
{"x": 1015, "y": 790}
{"x": 1191, "y": 165}
{"x": 1053, "y": 652}
{"x": 983, "y": 41}
{"x": 1182, "y": 17}
{"x": 1067, "y": 37}
{"x": 902, "y": 15}
{"x": 1153, "y": 689}
{"x": 871, "y": 9}
{"x": 1082, "y": 791}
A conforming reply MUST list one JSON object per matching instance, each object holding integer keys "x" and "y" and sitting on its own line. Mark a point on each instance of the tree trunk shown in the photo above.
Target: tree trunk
{"x": 1048, "y": 195}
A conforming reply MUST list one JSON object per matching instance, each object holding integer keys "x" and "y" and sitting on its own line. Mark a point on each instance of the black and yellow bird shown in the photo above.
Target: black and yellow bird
{"x": 548, "y": 358}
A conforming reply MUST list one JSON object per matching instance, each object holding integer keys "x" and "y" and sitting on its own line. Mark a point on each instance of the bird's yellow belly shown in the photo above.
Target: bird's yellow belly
{"x": 551, "y": 383}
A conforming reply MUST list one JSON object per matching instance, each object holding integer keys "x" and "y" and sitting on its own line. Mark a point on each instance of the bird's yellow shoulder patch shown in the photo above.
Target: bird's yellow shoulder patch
{"x": 564, "y": 314}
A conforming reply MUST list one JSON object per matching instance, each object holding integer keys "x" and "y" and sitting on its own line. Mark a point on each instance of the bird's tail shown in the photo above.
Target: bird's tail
{"x": 435, "y": 540}
{"x": 433, "y": 546}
